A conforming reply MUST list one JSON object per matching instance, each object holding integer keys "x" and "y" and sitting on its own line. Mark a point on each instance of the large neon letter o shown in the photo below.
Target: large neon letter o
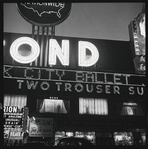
{"x": 35, "y": 50}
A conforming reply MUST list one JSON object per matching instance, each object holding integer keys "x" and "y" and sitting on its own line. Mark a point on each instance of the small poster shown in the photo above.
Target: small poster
{"x": 41, "y": 127}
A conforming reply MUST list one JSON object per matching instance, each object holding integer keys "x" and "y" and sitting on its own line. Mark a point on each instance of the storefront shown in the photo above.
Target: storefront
{"x": 97, "y": 97}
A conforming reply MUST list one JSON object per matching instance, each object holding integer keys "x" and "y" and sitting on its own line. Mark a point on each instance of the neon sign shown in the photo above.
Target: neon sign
{"x": 140, "y": 63}
{"x": 62, "y": 53}
{"x": 72, "y": 53}
{"x": 73, "y": 82}
{"x": 55, "y": 51}
{"x": 83, "y": 61}
{"x": 35, "y": 50}
{"x": 138, "y": 37}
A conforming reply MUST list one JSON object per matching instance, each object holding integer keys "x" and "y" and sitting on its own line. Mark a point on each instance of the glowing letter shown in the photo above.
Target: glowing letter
{"x": 32, "y": 85}
{"x": 116, "y": 89}
{"x": 35, "y": 50}
{"x": 58, "y": 85}
{"x": 68, "y": 87}
{"x": 45, "y": 86}
{"x": 99, "y": 88}
{"x": 61, "y": 53}
{"x": 138, "y": 91}
{"x": 79, "y": 85}
{"x": 132, "y": 91}
{"x": 83, "y": 60}
{"x": 20, "y": 83}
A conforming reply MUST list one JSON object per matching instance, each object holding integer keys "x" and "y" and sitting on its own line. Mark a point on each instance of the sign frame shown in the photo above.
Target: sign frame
{"x": 38, "y": 129}
{"x": 53, "y": 21}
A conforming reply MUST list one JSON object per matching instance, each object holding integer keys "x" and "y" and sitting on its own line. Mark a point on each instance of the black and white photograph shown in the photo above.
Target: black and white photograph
{"x": 74, "y": 74}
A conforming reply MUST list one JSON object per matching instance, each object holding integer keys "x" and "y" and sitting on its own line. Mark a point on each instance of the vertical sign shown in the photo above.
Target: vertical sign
{"x": 137, "y": 38}
{"x": 12, "y": 122}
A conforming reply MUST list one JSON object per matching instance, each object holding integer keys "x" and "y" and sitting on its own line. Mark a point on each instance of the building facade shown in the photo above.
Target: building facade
{"x": 57, "y": 87}
{"x": 100, "y": 98}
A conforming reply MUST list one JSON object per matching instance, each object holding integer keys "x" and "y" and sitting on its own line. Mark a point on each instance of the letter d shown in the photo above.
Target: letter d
{"x": 84, "y": 61}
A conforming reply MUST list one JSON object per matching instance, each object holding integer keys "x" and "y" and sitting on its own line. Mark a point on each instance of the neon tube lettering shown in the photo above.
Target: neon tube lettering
{"x": 57, "y": 51}
{"x": 35, "y": 50}
{"x": 83, "y": 60}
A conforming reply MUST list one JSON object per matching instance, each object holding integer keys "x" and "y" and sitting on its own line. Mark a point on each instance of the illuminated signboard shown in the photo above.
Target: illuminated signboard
{"x": 35, "y": 50}
{"x": 54, "y": 51}
{"x": 61, "y": 81}
{"x": 44, "y": 14}
{"x": 137, "y": 34}
{"x": 13, "y": 122}
{"x": 76, "y": 66}
{"x": 140, "y": 63}
{"x": 68, "y": 53}
{"x": 137, "y": 38}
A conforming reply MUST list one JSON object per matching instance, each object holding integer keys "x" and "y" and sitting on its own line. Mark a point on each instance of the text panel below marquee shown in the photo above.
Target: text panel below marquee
{"x": 46, "y": 74}
{"x": 72, "y": 88}
{"x": 59, "y": 81}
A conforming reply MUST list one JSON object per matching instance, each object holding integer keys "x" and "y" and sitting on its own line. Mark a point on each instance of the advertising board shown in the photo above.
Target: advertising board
{"x": 137, "y": 32}
{"x": 41, "y": 127}
{"x": 13, "y": 122}
{"x": 71, "y": 82}
{"x": 69, "y": 53}
{"x": 76, "y": 66}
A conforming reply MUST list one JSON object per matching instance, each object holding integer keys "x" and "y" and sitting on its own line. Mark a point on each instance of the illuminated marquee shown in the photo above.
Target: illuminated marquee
{"x": 75, "y": 82}
{"x": 55, "y": 51}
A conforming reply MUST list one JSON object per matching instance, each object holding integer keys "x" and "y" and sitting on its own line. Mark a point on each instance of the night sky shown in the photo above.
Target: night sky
{"x": 87, "y": 20}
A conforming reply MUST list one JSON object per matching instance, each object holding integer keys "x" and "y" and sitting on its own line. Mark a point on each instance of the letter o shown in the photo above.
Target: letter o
{"x": 79, "y": 85}
{"x": 35, "y": 50}
{"x": 47, "y": 86}
{"x": 10, "y": 109}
